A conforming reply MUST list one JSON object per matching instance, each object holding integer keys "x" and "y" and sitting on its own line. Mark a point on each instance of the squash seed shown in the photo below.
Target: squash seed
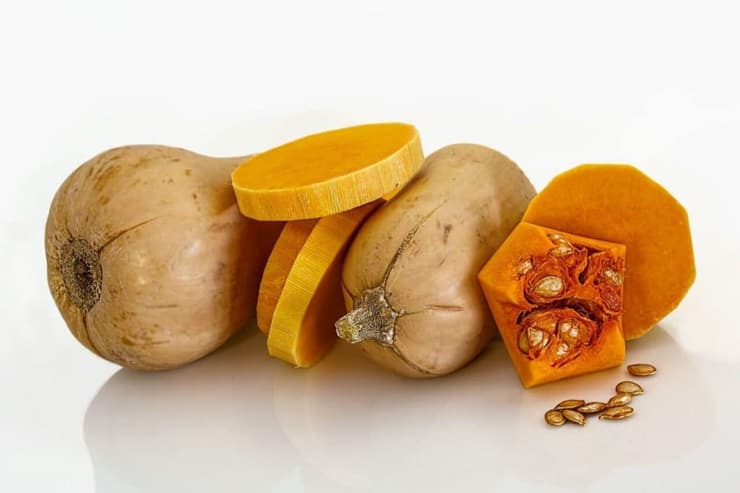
{"x": 591, "y": 408}
{"x": 562, "y": 350}
{"x": 559, "y": 239}
{"x": 619, "y": 412}
{"x": 641, "y": 370}
{"x": 549, "y": 286}
{"x": 524, "y": 267}
{"x": 533, "y": 340}
{"x": 553, "y": 417}
{"x": 523, "y": 342}
{"x": 561, "y": 251}
{"x": 629, "y": 387}
{"x": 569, "y": 333}
{"x": 614, "y": 277}
{"x": 574, "y": 417}
{"x": 620, "y": 400}
{"x": 569, "y": 404}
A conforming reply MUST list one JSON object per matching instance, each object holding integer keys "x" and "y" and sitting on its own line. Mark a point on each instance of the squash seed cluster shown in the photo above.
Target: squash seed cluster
{"x": 616, "y": 408}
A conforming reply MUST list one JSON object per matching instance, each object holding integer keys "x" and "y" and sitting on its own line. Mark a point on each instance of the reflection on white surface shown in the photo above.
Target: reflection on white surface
{"x": 238, "y": 421}
{"x": 208, "y": 424}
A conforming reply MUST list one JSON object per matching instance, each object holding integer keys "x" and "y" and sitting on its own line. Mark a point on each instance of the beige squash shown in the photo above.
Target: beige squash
{"x": 149, "y": 260}
{"x": 410, "y": 276}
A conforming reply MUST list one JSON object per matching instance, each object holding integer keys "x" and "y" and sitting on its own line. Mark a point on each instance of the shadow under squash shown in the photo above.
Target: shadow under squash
{"x": 241, "y": 421}
{"x": 206, "y": 427}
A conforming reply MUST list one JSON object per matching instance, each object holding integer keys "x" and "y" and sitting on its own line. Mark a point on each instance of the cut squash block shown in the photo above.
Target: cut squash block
{"x": 557, "y": 301}
{"x": 328, "y": 173}
{"x": 620, "y": 204}
{"x": 301, "y": 328}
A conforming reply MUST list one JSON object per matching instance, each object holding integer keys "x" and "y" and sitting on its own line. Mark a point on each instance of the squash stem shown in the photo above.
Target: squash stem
{"x": 373, "y": 319}
{"x": 81, "y": 273}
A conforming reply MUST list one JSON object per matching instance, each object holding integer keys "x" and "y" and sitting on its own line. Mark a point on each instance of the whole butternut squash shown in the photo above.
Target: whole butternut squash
{"x": 148, "y": 259}
{"x": 409, "y": 279}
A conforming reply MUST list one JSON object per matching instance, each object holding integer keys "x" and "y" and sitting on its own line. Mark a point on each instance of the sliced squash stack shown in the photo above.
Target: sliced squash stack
{"x": 324, "y": 186}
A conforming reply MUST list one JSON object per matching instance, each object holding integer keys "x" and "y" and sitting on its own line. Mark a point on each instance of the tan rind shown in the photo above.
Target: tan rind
{"x": 179, "y": 265}
{"x": 328, "y": 173}
{"x": 424, "y": 249}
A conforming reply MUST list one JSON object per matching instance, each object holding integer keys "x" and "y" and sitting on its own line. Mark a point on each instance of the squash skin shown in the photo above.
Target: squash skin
{"x": 424, "y": 248}
{"x": 620, "y": 204}
{"x": 179, "y": 266}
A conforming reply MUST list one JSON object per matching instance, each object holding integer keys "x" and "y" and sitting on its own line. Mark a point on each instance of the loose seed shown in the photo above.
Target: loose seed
{"x": 619, "y": 412}
{"x": 641, "y": 370}
{"x": 554, "y": 417}
{"x": 591, "y": 408}
{"x": 620, "y": 400}
{"x": 569, "y": 404}
{"x": 629, "y": 387}
{"x": 574, "y": 417}
{"x": 549, "y": 286}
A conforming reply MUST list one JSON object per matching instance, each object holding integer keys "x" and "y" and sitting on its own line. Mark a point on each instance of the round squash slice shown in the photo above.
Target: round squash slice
{"x": 289, "y": 244}
{"x": 328, "y": 173}
{"x": 301, "y": 324}
{"x": 620, "y": 204}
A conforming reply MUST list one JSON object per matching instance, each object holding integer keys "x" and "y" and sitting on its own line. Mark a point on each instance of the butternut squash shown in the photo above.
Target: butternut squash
{"x": 329, "y": 172}
{"x": 301, "y": 329}
{"x": 618, "y": 203}
{"x": 410, "y": 286}
{"x": 557, "y": 302}
{"x": 286, "y": 249}
{"x": 148, "y": 259}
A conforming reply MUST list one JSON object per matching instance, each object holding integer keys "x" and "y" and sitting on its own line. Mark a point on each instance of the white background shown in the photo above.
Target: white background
{"x": 551, "y": 84}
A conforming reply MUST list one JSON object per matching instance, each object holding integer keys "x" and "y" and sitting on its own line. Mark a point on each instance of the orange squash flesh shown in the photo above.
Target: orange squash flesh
{"x": 557, "y": 301}
{"x": 328, "y": 173}
{"x": 301, "y": 330}
{"x": 618, "y": 203}
{"x": 289, "y": 244}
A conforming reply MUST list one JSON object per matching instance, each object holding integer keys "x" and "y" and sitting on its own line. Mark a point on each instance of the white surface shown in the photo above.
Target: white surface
{"x": 552, "y": 85}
